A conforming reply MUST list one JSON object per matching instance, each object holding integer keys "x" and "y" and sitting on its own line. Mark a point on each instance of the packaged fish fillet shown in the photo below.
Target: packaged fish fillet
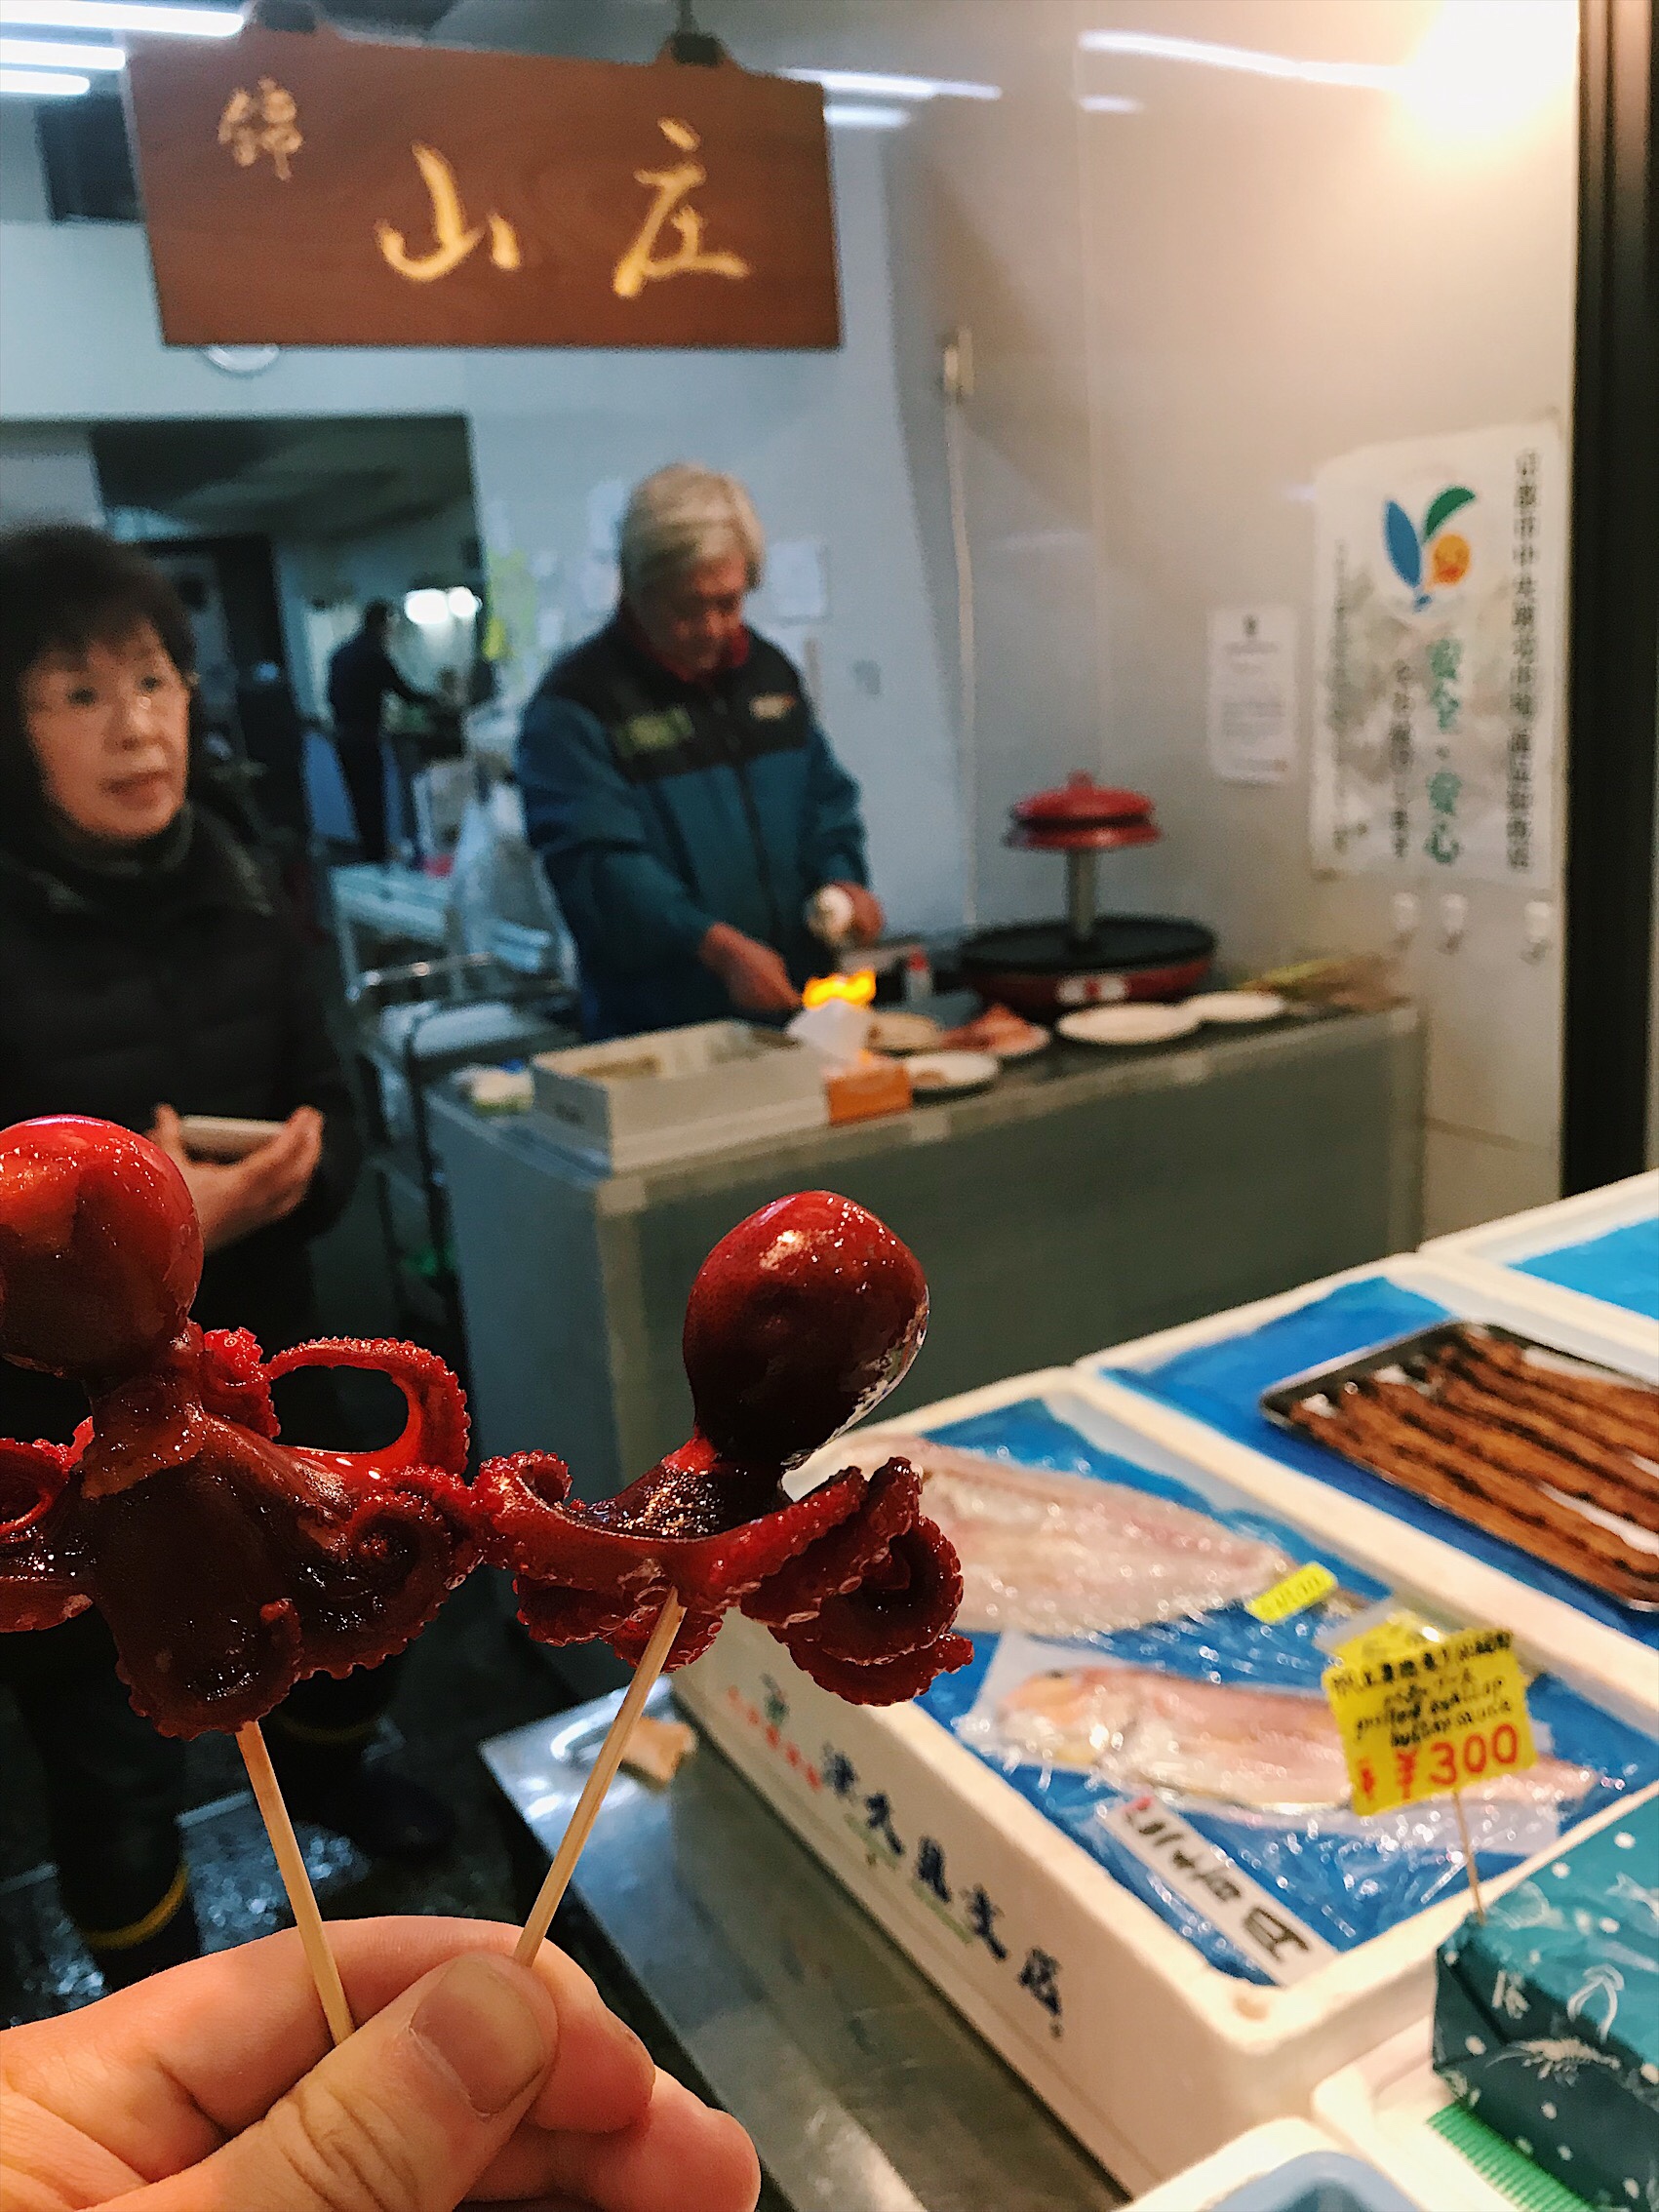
{"x": 1123, "y": 1686}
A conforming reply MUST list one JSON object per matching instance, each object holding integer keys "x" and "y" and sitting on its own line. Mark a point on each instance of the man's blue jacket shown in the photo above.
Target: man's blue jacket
{"x": 661, "y": 806}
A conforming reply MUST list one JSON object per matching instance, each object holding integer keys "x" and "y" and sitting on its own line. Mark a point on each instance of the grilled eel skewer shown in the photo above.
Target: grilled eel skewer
{"x": 1633, "y": 1408}
{"x": 1503, "y": 1505}
{"x": 1527, "y": 1444}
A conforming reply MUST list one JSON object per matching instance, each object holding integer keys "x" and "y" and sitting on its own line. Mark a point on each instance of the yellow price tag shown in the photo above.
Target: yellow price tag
{"x": 1431, "y": 1719}
{"x": 1303, "y": 1587}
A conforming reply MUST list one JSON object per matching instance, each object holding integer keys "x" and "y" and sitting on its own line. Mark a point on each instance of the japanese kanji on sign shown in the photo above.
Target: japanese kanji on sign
{"x": 1432, "y": 1720}
{"x": 308, "y": 189}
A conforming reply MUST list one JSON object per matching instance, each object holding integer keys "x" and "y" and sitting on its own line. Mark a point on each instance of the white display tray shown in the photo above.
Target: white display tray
{"x": 1381, "y": 2105}
{"x": 1621, "y": 1673}
{"x": 1158, "y": 2058}
{"x": 1490, "y": 1255}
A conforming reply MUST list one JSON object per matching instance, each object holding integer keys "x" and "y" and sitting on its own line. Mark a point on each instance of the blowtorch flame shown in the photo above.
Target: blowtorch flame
{"x": 857, "y": 989}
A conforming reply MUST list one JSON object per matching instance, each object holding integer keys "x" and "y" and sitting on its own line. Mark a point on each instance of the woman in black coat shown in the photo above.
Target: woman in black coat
{"x": 149, "y": 971}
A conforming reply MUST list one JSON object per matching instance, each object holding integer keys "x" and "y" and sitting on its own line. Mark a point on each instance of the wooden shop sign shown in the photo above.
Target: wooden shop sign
{"x": 310, "y": 189}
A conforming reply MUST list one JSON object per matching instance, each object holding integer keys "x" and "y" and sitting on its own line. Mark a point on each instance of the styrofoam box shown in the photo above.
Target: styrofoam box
{"x": 1203, "y": 2187}
{"x": 1158, "y": 2058}
{"x": 1620, "y": 1672}
{"x": 1489, "y": 1256}
{"x": 679, "y": 1092}
{"x": 1380, "y": 2105}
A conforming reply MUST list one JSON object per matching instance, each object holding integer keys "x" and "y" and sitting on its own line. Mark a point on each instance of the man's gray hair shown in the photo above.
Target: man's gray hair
{"x": 682, "y": 517}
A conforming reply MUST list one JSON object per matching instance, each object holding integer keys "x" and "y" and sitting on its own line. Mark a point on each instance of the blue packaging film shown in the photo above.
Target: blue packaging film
{"x": 1313, "y": 1882}
{"x": 1621, "y": 1268}
{"x": 1220, "y": 1382}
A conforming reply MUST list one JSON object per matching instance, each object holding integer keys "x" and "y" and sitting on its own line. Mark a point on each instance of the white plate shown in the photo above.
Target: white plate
{"x": 1131, "y": 1024}
{"x": 948, "y": 1075}
{"x": 900, "y": 1032}
{"x": 1236, "y": 1006}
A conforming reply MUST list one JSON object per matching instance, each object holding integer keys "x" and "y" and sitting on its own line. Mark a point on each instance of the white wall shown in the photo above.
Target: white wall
{"x": 47, "y": 474}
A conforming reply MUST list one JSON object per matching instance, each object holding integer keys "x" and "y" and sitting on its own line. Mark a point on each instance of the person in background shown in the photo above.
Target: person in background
{"x": 360, "y": 674}
{"x": 677, "y": 786}
{"x": 150, "y": 971}
{"x": 469, "y": 2077}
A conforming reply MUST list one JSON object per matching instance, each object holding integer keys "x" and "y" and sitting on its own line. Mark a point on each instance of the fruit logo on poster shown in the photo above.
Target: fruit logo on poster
{"x": 1434, "y": 557}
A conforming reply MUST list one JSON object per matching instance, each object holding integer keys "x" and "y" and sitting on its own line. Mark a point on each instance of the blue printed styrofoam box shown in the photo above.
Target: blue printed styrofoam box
{"x": 1547, "y": 2015}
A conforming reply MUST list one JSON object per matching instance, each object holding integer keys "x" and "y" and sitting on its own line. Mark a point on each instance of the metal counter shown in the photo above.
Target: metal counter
{"x": 1089, "y": 1197}
{"x": 754, "y": 1975}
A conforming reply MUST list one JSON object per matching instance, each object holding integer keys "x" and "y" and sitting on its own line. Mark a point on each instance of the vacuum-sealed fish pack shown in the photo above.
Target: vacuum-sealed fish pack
{"x": 1148, "y": 1663}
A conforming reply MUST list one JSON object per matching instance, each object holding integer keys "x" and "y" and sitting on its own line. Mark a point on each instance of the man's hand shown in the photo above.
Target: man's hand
{"x": 233, "y": 1202}
{"x": 469, "y": 2078}
{"x": 868, "y": 919}
{"x": 756, "y": 980}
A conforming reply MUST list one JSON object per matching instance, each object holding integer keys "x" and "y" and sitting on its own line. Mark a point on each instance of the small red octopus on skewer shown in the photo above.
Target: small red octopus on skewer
{"x": 226, "y": 1564}
{"x": 799, "y": 1322}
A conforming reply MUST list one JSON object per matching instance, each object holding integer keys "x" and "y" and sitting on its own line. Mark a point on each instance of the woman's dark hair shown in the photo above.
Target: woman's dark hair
{"x": 65, "y": 586}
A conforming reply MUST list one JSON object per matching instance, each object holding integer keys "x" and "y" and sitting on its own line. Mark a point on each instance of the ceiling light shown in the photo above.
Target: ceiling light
{"x": 42, "y": 84}
{"x": 428, "y": 609}
{"x": 462, "y": 604}
{"x": 881, "y": 87}
{"x": 840, "y": 117}
{"x": 151, "y": 15}
{"x": 1110, "y": 103}
{"x": 56, "y": 53}
{"x": 1251, "y": 61}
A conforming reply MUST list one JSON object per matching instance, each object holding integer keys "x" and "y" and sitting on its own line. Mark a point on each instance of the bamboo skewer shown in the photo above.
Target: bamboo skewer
{"x": 599, "y": 1781}
{"x": 290, "y": 1864}
{"x": 1469, "y": 1855}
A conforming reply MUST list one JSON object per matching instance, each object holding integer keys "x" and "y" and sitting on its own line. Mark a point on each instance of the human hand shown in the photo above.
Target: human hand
{"x": 868, "y": 919}
{"x": 471, "y": 2079}
{"x": 234, "y": 1199}
{"x": 754, "y": 975}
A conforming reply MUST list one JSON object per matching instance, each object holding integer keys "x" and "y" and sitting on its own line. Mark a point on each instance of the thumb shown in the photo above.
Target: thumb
{"x": 167, "y": 1132}
{"x": 405, "y": 2117}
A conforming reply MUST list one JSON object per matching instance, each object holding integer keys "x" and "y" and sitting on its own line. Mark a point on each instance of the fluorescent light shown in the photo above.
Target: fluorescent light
{"x": 56, "y": 53}
{"x": 428, "y": 609}
{"x": 843, "y": 118}
{"x": 462, "y": 604}
{"x": 42, "y": 84}
{"x": 1110, "y": 103}
{"x": 881, "y": 87}
{"x": 1155, "y": 46}
{"x": 123, "y": 15}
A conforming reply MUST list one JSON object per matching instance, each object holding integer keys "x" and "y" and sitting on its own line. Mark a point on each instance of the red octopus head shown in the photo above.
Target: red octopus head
{"x": 798, "y": 1322}
{"x": 101, "y": 1252}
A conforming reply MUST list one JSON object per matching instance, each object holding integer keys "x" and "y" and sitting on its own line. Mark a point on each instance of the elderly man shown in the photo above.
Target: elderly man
{"x": 683, "y": 799}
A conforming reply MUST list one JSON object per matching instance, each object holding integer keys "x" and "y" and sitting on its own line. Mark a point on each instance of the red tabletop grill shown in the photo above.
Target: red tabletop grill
{"x": 1044, "y": 969}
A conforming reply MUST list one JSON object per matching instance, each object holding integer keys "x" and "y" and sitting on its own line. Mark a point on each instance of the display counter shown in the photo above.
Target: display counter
{"x": 1087, "y": 1197}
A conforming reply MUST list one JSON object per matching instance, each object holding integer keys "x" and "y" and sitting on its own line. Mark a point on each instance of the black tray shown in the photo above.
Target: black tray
{"x": 1410, "y": 1354}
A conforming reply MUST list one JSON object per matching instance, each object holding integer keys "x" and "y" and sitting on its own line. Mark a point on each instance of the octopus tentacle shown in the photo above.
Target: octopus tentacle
{"x": 839, "y": 1562}
{"x": 234, "y": 1385}
{"x": 39, "y": 1578}
{"x": 435, "y": 1434}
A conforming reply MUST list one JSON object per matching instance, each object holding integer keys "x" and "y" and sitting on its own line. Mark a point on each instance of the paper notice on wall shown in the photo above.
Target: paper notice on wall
{"x": 798, "y": 579}
{"x": 1253, "y": 693}
{"x": 604, "y": 505}
{"x": 1439, "y": 576}
{"x": 600, "y": 585}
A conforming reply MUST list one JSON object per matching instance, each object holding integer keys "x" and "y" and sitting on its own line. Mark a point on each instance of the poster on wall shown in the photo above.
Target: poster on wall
{"x": 1440, "y": 577}
{"x": 302, "y": 189}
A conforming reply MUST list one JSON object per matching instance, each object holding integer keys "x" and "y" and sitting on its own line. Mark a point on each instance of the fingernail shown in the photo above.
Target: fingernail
{"x": 479, "y": 2021}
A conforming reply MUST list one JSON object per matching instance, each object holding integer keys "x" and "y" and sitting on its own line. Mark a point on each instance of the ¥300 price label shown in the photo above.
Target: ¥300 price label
{"x": 1432, "y": 1718}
